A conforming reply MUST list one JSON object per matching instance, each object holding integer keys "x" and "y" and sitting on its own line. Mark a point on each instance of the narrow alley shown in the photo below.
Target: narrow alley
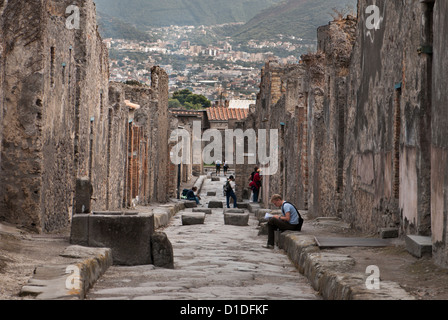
{"x": 212, "y": 261}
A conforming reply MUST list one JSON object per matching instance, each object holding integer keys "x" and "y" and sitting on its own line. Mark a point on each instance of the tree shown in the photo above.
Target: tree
{"x": 189, "y": 100}
{"x": 182, "y": 95}
{"x": 174, "y": 104}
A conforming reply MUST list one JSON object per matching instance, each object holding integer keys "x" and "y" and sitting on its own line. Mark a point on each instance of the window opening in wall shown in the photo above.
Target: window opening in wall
{"x": 428, "y": 27}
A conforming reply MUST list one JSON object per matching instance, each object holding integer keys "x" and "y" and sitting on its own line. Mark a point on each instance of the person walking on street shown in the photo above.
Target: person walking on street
{"x": 218, "y": 167}
{"x": 290, "y": 219}
{"x": 230, "y": 192}
{"x": 225, "y": 167}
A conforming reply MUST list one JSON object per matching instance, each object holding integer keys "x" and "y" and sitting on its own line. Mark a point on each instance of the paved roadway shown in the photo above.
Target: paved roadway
{"x": 213, "y": 261}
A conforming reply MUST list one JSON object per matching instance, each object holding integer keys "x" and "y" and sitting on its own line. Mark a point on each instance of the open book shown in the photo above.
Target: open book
{"x": 268, "y": 216}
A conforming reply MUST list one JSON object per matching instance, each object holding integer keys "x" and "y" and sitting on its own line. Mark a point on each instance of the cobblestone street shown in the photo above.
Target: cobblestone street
{"x": 213, "y": 261}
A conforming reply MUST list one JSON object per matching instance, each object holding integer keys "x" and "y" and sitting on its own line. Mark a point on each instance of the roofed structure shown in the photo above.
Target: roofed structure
{"x": 226, "y": 114}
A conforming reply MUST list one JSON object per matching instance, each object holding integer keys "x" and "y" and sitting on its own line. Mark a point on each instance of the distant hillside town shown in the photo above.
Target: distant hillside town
{"x": 208, "y": 69}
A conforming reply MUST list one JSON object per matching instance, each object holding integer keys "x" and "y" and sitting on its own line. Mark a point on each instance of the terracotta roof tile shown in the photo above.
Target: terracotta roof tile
{"x": 225, "y": 114}
{"x": 179, "y": 112}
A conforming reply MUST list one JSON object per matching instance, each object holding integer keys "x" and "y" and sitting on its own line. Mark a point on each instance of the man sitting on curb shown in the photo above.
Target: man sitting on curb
{"x": 289, "y": 220}
{"x": 191, "y": 195}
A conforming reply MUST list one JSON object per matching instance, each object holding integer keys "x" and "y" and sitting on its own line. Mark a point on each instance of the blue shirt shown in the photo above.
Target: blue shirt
{"x": 294, "y": 215}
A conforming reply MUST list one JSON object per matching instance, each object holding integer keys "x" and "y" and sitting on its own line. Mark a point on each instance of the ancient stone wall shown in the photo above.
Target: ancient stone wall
{"x": 117, "y": 147}
{"x": 34, "y": 97}
{"x": 2, "y": 68}
{"x": 328, "y": 70}
{"x": 439, "y": 143}
{"x": 62, "y": 121}
{"x": 362, "y": 122}
{"x": 153, "y": 120}
{"x": 387, "y": 167}
{"x": 160, "y": 134}
{"x": 279, "y": 107}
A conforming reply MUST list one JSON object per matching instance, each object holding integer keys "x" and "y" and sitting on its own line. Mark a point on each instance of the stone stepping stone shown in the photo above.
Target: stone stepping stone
{"x": 215, "y": 204}
{"x": 190, "y": 204}
{"x": 236, "y": 219}
{"x": 206, "y": 211}
{"x": 243, "y": 205}
{"x": 189, "y": 219}
{"x": 234, "y": 210}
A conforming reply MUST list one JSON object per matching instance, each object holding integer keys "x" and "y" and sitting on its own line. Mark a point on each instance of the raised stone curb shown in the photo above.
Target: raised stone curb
{"x": 164, "y": 213}
{"x": 61, "y": 282}
{"x": 199, "y": 183}
{"x": 50, "y": 282}
{"x": 329, "y": 272}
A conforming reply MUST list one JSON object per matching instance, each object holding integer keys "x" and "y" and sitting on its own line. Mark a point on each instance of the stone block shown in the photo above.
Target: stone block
{"x": 204, "y": 210}
{"x": 193, "y": 218}
{"x": 215, "y": 204}
{"x": 236, "y": 219}
{"x": 216, "y": 179}
{"x": 108, "y": 213}
{"x": 263, "y": 229}
{"x": 190, "y": 204}
{"x": 162, "y": 251}
{"x": 243, "y": 205}
{"x": 386, "y": 233}
{"x": 79, "y": 233}
{"x": 419, "y": 246}
{"x": 211, "y": 193}
{"x": 234, "y": 210}
{"x": 129, "y": 237}
{"x": 253, "y": 207}
{"x": 83, "y": 195}
{"x": 130, "y": 213}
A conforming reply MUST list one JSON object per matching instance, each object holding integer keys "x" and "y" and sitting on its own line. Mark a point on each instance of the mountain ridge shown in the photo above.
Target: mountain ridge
{"x": 155, "y": 13}
{"x": 298, "y": 18}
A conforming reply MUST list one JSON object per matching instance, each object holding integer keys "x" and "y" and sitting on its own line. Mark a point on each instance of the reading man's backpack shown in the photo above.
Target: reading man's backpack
{"x": 299, "y": 226}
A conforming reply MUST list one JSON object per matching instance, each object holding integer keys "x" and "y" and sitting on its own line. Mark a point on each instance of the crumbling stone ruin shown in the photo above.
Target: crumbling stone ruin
{"x": 63, "y": 125}
{"x": 362, "y": 122}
